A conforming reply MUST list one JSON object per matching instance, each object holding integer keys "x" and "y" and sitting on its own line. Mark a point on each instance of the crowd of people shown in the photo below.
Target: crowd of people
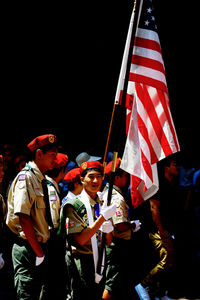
{"x": 68, "y": 229}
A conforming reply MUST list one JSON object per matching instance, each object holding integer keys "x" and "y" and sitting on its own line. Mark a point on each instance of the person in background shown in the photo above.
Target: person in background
{"x": 75, "y": 186}
{"x": 29, "y": 218}
{"x": 84, "y": 156}
{"x": 120, "y": 252}
{"x": 54, "y": 287}
{"x": 166, "y": 212}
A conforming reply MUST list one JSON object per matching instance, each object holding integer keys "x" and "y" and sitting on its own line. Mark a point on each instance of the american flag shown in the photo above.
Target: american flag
{"x": 151, "y": 134}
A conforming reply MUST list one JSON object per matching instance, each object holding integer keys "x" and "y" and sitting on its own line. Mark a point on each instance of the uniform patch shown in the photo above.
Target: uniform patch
{"x": 53, "y": 198}
{"x": 70, "y": 224}
{"x": 118, "y": 213}
{"x": 22, "y": 177}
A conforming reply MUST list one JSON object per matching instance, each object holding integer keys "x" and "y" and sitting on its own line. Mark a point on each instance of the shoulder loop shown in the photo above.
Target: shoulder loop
{"x": 28, "y": 168}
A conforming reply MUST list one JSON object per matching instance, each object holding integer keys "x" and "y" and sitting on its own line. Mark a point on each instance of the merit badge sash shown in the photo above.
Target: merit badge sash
{"x": 86, "y": 202}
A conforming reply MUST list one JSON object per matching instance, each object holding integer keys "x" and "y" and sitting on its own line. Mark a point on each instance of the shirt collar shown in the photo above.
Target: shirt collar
{"x": 117, "y": 189}
{"x": 92, "y": 201}
{"x": 36, "y": 170}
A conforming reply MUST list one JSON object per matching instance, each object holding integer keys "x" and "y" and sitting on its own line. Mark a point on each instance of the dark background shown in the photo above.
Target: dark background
{"x": 60, "y": 67}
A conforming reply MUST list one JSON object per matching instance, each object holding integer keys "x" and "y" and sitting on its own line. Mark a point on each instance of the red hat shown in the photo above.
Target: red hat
{"x": 1, "y": 159}
{"x": 41, "y": 141}
{"x": 61, "y": 160}
{"x": 109, "y": 166}
{"x": 91, "y": 165}
{"x": 72, "y": 175}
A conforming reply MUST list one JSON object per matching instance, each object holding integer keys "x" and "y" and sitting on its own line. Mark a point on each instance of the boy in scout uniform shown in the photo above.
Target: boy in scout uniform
{"x": 29, "y": 218}
{"x": 119, "y": 254}
{"x": 55, "y": 285}
{"x": 82, "y": 220}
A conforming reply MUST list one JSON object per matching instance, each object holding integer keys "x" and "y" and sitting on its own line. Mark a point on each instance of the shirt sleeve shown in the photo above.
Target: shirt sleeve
{"x": 22, "y": 200}
{"x": 121, "y": 214}
{"x": 74, "y": 223}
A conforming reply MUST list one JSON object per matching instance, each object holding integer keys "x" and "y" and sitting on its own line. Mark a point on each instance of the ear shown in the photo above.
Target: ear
{"x": 38, "y": 153}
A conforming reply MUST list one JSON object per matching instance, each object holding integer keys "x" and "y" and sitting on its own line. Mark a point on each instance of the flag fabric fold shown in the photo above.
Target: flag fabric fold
{"x": 151, "y": 134}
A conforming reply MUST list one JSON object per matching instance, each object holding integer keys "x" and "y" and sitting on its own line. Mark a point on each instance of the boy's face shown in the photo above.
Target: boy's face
{"x": 174, "y": 168}
{"x": 92, "y": 182}
{"x": 48, "y": 159}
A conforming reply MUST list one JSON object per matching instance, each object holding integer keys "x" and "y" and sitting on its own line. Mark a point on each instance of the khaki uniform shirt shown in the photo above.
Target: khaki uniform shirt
{"x": 26, "y": 196}
{"x": 54, "y": 201}
{"x": 75, "y": 224}
{"x": 121, "y": 214}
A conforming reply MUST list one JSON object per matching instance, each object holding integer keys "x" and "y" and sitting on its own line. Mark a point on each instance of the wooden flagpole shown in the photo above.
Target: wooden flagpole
{"x": 124, "y": 76}
{"x": 125, "y": 70}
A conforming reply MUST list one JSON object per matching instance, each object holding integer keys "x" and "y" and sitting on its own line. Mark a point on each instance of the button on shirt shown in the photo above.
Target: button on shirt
{"x": 26, "y": 196}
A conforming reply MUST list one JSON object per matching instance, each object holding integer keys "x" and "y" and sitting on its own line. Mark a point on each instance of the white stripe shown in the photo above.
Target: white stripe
{"x": 151, "y": 132}
{"x": 148, "y": 34}
{"x": 148, "y": 53}
{"x": 148, "y": 72}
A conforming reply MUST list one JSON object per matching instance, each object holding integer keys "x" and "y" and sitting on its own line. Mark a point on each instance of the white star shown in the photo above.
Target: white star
{"x": 146, "y": 23}
{"x": 152, "y": 18}
{"x": 149, "y": 10}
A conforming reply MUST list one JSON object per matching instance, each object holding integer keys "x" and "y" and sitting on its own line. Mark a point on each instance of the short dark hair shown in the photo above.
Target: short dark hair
{"x": 91, "y": 169}
{"x": 70, "y": 185}
{"x": 44, "y": 149}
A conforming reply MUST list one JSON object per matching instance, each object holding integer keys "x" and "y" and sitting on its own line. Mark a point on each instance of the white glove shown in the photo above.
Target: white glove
{"x": 107, "y": 227}
{"x": 39, "y": 260}
{"x": 1, "y": 261}
{"x": 137, "y": 225}
{"x": 108, "y": 211}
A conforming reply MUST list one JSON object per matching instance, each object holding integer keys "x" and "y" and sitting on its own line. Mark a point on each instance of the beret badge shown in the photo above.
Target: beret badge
{"x": 51, "y": 138}
{"x": 84, "y": 166}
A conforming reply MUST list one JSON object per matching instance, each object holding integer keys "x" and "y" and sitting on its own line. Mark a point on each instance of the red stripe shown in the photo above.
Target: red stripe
{"x": 143, "y": 130}
{"x": 147, "y": 62}
{"x": 149, "y": 44}
{"x": 148, "y": 81}
{"x": 150, "y": 109}
{"x": 171, "y": 125}
{"x": 147, "y": 167}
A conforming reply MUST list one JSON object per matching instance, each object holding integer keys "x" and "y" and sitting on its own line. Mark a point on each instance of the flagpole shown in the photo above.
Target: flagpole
{"x": 123, "y": 77}
{"x": 122, "y": 85}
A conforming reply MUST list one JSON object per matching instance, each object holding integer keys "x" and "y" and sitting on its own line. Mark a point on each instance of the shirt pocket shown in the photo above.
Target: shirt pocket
{"x": 40, "y": 199}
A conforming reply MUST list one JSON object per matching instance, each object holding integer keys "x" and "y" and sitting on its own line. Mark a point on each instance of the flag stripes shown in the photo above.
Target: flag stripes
{"x": 151, "y": 133}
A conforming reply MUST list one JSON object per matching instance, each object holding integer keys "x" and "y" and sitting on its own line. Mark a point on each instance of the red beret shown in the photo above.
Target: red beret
{"x": 72, "y": 175}
{"x": 41, "y": 141}
{"x": 61, "y": 160}
{"x": 109, "y": 166}
{"x": 91, "y": 164}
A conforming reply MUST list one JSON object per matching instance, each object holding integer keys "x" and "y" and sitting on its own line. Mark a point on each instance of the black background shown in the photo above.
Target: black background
{"x": 60, "y": 66}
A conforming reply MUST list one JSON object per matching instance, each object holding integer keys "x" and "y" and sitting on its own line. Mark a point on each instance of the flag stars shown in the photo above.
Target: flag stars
{"x": 148, "y": 20}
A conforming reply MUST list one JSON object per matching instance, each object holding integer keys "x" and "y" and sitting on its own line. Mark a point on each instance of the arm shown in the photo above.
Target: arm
{"x": 86, "y": 234}
{"x": 27, "y": 227}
